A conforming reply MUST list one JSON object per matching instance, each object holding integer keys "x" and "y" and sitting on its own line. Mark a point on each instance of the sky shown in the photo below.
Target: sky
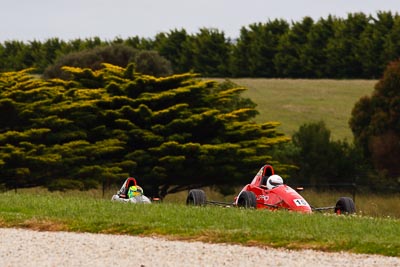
{"x": 29, "y": 20}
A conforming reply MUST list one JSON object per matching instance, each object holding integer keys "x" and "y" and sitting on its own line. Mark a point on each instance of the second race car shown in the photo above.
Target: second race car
{"x": 131, "y": 192}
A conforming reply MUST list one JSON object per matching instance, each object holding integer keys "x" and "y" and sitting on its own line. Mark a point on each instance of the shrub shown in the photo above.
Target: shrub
{"x": 147, "y": 62}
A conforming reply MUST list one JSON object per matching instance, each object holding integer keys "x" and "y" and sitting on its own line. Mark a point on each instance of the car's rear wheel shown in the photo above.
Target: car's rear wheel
{"x": 345, "y": 205}
{"x": 196, "y": 197}
{"x": 247, "y": 199}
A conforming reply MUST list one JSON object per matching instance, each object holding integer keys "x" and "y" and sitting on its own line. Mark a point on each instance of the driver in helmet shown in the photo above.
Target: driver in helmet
{"x": 274, "y": 181}
{"x": 135, "y": 191}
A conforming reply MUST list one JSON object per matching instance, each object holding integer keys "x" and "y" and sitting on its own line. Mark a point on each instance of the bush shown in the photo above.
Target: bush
{"x": 320, "y": 161}
{"x": 147, "y": 62}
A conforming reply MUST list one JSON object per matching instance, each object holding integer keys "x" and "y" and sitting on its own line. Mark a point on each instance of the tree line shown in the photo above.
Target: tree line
{"x": 358, "y": 46}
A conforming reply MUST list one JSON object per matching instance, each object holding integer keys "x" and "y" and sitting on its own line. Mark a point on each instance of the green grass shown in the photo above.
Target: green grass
{"x": 327, "y": 232}
{"x": 294, "y": 102}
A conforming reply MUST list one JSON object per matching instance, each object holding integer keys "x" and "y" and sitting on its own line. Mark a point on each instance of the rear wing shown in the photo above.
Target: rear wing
{"x": 262, "y": 175}
{"x": 125, "y": 186}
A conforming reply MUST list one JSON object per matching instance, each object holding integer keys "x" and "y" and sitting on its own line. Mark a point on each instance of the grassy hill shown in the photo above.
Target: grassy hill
{"x": 294, "y": 102}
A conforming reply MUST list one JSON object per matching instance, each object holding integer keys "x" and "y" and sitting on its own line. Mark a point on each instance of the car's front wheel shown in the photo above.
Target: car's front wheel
{"x": 247, "y": 199}
{"x": 196, "y": 197}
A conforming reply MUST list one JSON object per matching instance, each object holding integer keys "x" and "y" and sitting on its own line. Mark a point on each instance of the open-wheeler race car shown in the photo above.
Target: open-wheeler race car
{"x": 131, "y": 192}
{"x": 267, "y": 191}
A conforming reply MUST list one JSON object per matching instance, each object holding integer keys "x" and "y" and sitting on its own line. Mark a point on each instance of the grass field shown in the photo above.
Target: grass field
{"x": 294, "y": 102}
{"x": 60, "y": 211}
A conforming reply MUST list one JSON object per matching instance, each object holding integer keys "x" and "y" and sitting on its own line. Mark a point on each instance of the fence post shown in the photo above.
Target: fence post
{"x": 354, "y": 188}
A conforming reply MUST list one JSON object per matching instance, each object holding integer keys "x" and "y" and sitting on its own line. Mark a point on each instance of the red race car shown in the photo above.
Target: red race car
{"x": 267, "y": 191}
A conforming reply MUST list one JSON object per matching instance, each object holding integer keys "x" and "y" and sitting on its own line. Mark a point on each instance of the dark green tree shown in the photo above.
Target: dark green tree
{"x": 314, "y": 159}
{"x": 138, "y": 43}
{"x": 12, "y": 55}
{"x": 254, "y": 51}
{"x": 172, "y": 46}
{"x": 371, "y": 44}
{"x": 342, "y": 51}
{"x": 391, "y": 46}
{"x": 211, "y": 53}
{"x": 313, "y": 56}
{"x": 290, "y": 59}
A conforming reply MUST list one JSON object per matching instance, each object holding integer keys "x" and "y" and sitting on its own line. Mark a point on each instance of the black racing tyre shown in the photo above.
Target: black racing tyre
{"x": 247, "y": 199}
{"x": 196, "y": 197}
{"x": 345, "y": 205}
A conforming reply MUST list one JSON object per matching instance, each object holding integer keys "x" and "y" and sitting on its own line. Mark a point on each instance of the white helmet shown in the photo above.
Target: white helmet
{"x": 274, "y": 181}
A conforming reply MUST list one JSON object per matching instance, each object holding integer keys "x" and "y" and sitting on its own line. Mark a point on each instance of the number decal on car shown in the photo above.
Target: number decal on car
{"x": 300, "y": 202}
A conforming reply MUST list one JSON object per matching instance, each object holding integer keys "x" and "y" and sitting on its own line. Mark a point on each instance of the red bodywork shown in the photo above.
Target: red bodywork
{"x": 280, "y": 197}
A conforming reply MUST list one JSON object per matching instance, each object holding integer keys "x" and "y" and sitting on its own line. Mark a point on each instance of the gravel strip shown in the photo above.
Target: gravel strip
{"x": 19, "y": 247}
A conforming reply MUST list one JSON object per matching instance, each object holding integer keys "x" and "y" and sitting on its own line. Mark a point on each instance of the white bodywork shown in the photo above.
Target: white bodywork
{"x": 122, "y": 194}
{"x": 137, "y": 199}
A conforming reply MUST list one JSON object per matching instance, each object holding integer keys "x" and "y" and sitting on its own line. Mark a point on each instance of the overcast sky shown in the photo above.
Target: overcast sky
{"x": 28, "y": 20}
